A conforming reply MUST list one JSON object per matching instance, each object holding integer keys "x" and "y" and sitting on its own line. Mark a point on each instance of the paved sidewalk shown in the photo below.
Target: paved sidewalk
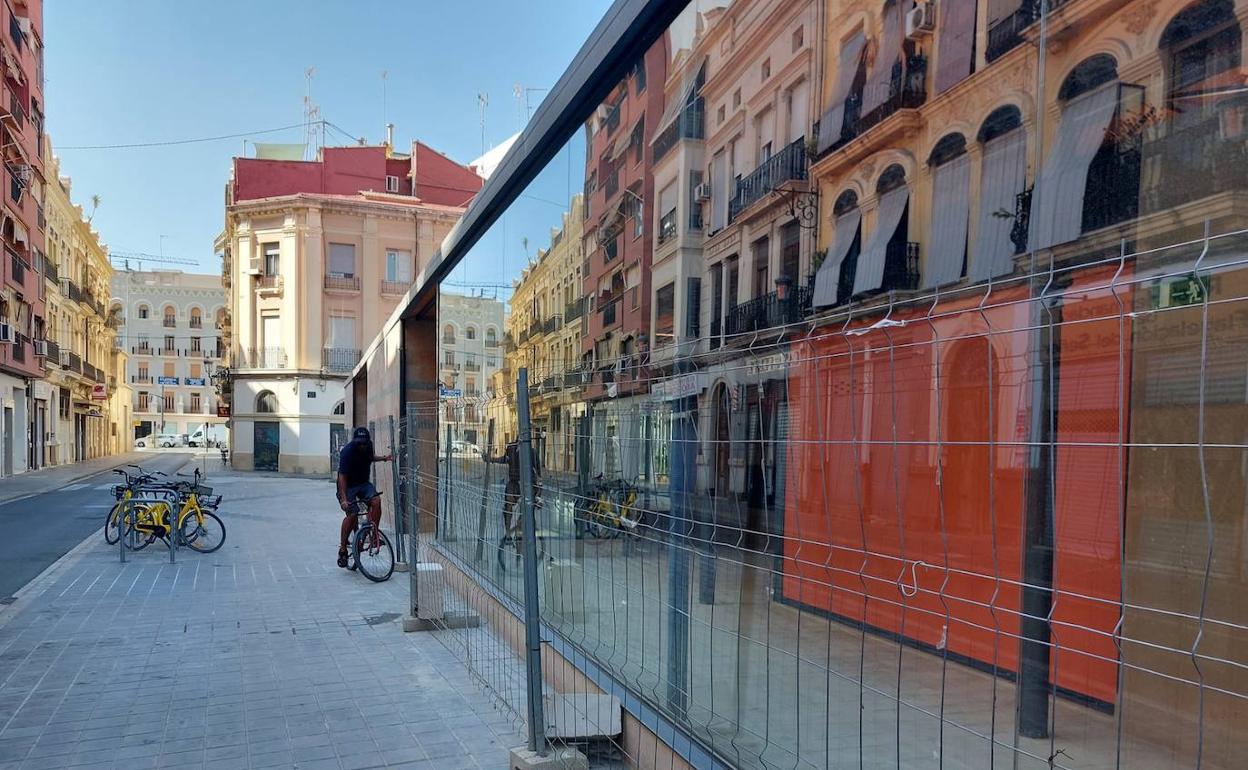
{"x": 264, "y": 654}
{"x": 34, "y": 482}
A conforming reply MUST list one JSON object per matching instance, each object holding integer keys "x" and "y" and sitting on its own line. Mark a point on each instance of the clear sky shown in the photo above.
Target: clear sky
{"x": 155, "y": 70}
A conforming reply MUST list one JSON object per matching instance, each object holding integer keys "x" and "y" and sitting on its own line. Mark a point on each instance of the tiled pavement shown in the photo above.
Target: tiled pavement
{"x": 264, "y": 654}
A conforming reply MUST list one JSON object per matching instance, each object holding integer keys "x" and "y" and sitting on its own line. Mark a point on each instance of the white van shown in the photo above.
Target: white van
{"x": 208, "y": 435}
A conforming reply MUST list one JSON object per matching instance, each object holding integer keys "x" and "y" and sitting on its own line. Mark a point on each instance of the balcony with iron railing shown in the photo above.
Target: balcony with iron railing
{"x": 71, "y": 361}
{"x": 50, "y": 271}
{"x": 787, "y": 165}
{"x": 141, "y": 379}
{"x": 574, "y": 310}
{"x": 907, "y": 90}
{"x": 342, "y": 283}
{"x": 1007, "y": 33}
{"x": 265, "y": 358}
{"x": 535, "y": 328}
{"x": 768, "y": 311}
{"x": 552, "y": 324}
{"x": 472, "y": 366}
{"x": 667, "y": 227}
{"x": 689, "y": 125}
{"x": 17, "y": 269}
{"x": 339, "y": 360}
{"x": 901, "y": 266}
{"x": 17, "y": 351}
{"x": 612, "y": 185}
{"x": 394, "y": 288}
{"x": 54, "y": 352}
{"x": 196, "y": 322}
{"x": 1191, "y": 160}
{"x": 70, "y": 290}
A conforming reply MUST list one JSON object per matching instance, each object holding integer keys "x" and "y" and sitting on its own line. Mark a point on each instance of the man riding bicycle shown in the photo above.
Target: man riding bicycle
{"x": 354, "y": 466}
{"x": 511, "y": 494}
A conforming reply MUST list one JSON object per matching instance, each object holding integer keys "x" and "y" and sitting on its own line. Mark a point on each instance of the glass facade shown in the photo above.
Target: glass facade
{"x": 887, "y": 379}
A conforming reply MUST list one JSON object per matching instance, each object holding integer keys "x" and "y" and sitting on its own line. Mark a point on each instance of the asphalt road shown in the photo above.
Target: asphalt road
{"x": 39, "y": 530}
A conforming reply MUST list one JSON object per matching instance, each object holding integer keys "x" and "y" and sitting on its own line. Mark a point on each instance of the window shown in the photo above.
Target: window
{"x": 695, "y": 208}
{"x": 197, "y": 319}
{"x": 664, "y": 315}
{"x": 798, "y": 34}
{"x": 734, "y": 282}
{"x": 168, "y": 343}
{"x": 398, "y": 266}
{"x": 470, "y": 386}
{"x": 342, "y": 260}
{"x": 693, "y": 309}
{"x": 171, "y": 318}
{"x": 790, "y": 252}
{"x": 143, "y": 311}
{"x": 340, "y": 407}
{"x": 491, "y": 337}
{"x": 168, "y": 369}
{"x": 448, "y": 359}
{"x": 196, "y": 371}
{"x": 144, "y": 404}
{"x": 392, "y": 184}
{"x": 266, "y": 402}
{"x": 636, "y": 140}
{"x": 762, "y": 259}
{"x": 144, "y": 374}
{"x": 667, "y": 209}
{"x": 196, "y": 405}
{"x": 720, "y": 114}
{"x": 610, "y": 249}
{"x": 639, "y": 75}
{"x": 168, "y": 402}
{"x": 766, "y": 69}
{"x": 736, "y": 98}
{"x": 470, "y": 333}
{"x": 639, "y": 217}
{"x": 195, "y": 345}
{"x": 1203, "y": 46}
{"x": 341, "y": 334}
{"x": 448, "y": 334}
{"x": 272, "y": 259}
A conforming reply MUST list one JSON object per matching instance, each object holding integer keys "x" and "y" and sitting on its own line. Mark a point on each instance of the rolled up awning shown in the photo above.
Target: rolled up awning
{"x": 1057, "y": 203}
{"x": 870, "y": 273}
{"x": 827, "y": 280}
{"x": 879, "y": 85}
{"x": 833, "y": 119}
{"x": 951, "y": 209}
{"x": 1004, "y": 176}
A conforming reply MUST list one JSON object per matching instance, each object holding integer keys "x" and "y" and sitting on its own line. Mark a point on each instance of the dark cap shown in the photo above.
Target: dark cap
{"x": 362, "y": 433}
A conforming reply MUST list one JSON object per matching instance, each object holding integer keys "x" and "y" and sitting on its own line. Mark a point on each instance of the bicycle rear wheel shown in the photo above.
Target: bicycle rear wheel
{"x": 373, "y": 555}
{"x": 204, "y": 536}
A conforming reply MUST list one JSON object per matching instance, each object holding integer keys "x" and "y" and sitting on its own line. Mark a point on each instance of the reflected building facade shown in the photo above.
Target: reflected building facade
{"x": 919, "y": 330}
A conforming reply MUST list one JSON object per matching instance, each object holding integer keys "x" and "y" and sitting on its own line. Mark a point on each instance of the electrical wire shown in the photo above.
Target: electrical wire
{"x": 172, "y": 142}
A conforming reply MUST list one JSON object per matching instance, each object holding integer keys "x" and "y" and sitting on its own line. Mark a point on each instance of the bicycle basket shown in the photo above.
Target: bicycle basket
{"x": 119, "y": 491}
{"x": 204, "y": 491}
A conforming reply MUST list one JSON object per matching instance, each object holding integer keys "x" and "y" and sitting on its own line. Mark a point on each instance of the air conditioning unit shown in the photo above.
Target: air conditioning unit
{"x": 702, "y": 192}
{"x": 254, "y": 266}
{"x": 7, "y": 334}
{"x": 921, "y": 20}
{"x": 41, "y": 348}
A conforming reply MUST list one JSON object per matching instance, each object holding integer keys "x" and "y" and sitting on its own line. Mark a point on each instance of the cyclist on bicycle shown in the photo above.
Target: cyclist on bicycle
{"x": 354, "y": 465}
{"x": 511, "y": 495}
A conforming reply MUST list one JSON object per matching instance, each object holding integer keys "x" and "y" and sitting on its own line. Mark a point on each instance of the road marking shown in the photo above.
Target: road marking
{"x": 72, "y": 487}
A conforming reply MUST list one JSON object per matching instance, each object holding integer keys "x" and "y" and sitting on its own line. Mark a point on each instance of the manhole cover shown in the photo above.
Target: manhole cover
{"x": 385, "y": 617}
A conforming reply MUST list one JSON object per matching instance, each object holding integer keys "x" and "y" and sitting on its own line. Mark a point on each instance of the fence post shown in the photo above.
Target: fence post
{"x": 532, "y": 629}
{"x": 398, "y": 495}
{"x": 446, "y": 530}
{"x": 122, "y": 512}
{"x": 485, "y": 493}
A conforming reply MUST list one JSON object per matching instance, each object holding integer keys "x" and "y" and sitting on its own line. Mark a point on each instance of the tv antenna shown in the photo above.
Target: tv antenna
{"x": 311, "y": 119}
{"x": 483, "y": 101}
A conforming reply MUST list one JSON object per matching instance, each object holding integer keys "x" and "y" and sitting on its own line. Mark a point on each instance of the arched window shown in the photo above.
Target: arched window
{"x": 448, "y": 334}
{"x": 842, "y": 257}
{"x": 1002, "y": 215}
{"x": 266, "y": 402}
{"x": 890, "y": 243}
{"x": 470, "y": 333}
{"x": 999, "y": 122}
{"x": 171, "y": 317}
{"x": 1088, "y": 75}
{"x": 951, "y": 208}
{"x": 1201, "y": 49}
{"x": 845, "y": 203}
{"x": 144, "y": 311}
{"x": 340, "y": 407}
{"x": 491, "y": 337}
{"x": 197, "y": 318}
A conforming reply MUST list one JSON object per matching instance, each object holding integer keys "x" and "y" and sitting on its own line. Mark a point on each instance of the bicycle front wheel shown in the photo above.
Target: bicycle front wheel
{"x": 204, "y": 533}
{"x": 373, "y": 554}
{"x": 112, "y": 524}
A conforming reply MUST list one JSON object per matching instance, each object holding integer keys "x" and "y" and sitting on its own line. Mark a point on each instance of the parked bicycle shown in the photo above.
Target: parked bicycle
{"x": 609, "y": 509}
{"x": 368, "y": 547}
{"x": 145, "y": 512}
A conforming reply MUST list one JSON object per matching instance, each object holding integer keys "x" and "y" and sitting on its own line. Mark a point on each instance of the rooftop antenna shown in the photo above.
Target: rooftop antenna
{"x": 311, "y": 119}
{"x": 524, "y": 103}
{"x": 483, "y": 100}
{"x": 385, "y": 75}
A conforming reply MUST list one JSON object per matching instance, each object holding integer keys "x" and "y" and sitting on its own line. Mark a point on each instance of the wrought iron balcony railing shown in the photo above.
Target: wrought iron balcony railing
{"x": 689, "y": 125}
{"x": 787, "y": 165}
{"x": 339, "y": 359}
{"x": 266, "y": 358}
{"x": 342, "y": 282}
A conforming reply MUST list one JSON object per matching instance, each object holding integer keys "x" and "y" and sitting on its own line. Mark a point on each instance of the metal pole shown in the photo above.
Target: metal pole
{"x": 532, "y": 630}
{"x": 445, "y": 530}
{"x": 398, "y": 494}
{"x": 122, "y": 513}
{"x": 413, "y": 543}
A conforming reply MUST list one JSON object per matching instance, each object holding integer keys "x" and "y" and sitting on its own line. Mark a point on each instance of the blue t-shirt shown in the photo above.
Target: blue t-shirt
{"x": 354, "y": 462}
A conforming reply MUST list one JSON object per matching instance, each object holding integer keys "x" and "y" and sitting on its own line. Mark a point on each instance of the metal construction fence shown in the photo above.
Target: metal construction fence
{"x": 1003, "y": 527}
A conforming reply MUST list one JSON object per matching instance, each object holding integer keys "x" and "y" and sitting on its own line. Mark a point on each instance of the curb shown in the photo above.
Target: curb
{"x": 41, "y": 582}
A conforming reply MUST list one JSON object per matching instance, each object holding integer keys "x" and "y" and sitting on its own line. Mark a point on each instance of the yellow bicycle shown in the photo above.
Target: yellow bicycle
{"x": 609, "y": 510}
{"x": 198, "y": 527}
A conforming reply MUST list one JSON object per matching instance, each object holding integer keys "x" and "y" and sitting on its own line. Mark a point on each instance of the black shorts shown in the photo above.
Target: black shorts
{"x": 365, "y": 492}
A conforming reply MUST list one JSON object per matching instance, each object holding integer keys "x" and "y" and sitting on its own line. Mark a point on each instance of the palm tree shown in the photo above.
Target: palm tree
{"x": 95, "y": 204}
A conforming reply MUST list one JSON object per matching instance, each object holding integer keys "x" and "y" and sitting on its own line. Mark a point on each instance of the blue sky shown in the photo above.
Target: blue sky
{"x": 153, "y": 70}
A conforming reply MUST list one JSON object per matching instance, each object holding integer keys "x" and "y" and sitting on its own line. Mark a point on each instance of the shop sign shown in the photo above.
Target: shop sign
{"x": 196, "y": 381}
{"x": 223, "y": 410}
{"x": 43, "y": 390}
{"x": 677, "y": 387}
{"x": 99, "y": 392}
{"x": 764, "y": 364}
{"x": 166, "y": 380}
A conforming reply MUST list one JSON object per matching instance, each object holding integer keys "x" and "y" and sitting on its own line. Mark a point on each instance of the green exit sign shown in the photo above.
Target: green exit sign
{"x": 1181, "y": 291}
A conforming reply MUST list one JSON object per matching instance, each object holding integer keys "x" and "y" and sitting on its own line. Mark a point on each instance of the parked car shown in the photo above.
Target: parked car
{"x": 163, "y": 440}
{"x": 465, "y": 449}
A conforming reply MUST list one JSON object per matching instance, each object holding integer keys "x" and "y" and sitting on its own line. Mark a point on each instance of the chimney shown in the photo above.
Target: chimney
{"x": 390, "y": 135}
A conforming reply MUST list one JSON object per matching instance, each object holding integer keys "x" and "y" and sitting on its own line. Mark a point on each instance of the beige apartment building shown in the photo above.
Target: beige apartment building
{"x": 544, "y": 329}
{"x": 86, "y": 392}
{"x": 315, "y": 256}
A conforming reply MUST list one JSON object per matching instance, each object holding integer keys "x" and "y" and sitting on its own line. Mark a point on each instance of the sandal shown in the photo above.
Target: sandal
{"x": 342, "y": 557}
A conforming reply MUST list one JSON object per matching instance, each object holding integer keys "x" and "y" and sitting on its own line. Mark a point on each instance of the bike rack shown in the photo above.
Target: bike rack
{"x": 121, "y": 537}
